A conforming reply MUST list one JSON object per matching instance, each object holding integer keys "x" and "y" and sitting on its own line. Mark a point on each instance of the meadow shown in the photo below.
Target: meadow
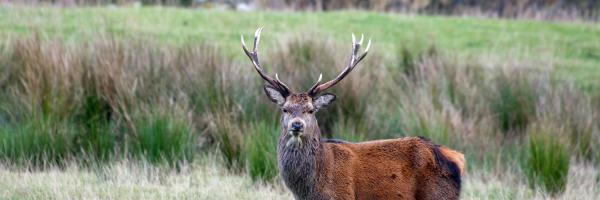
{"x": 570, "y": 47}
{"x": 153, "y": 102}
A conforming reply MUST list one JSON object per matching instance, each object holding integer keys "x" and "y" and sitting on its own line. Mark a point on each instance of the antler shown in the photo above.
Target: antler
{"x": 253, "y": 55}
{"x": 354, "y": 60}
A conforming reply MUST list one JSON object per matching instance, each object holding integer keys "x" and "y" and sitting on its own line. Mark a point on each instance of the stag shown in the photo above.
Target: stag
{"x": 316, "y": 168}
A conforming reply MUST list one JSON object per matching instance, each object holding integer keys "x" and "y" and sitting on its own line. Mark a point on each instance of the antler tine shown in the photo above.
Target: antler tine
{"x": 257, "y": 38}
{"x": 362, "y": 37}
{"x": 280, "y": 82}
{"x": 355, "y": 58}
{"x": 317, "y": 83}
{"x": 253, "y": 55}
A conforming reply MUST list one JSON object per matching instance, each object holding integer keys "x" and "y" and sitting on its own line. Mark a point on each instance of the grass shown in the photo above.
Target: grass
{"x": 151, "y": 101}
{"x": 570, "y": 47}
{"x": 547, "y": 163}
{"x": 208, "y": 178}
{"x": 162, "y": 137}
{"x": 37, "y": 141}
{"x": 203, "y": 179}
{"x": 514, "y": 103}
{"x": 506, "y": 184}
{"x": 261, "y": 151}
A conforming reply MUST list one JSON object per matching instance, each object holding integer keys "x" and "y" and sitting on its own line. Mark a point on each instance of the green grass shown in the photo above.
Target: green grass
{"x": 162, "y": 137}
{"x": 261, "y": 151}
{"x": 37, "y": 142}
{"x": 513, "y": 103}
{"x": 547, "y": 164}
{"x": 571, "y": 47}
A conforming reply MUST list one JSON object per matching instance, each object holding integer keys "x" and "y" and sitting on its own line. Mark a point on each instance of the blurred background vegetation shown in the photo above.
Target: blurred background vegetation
{"x": 170, "y": 86}
{"x": 549, "y": 9}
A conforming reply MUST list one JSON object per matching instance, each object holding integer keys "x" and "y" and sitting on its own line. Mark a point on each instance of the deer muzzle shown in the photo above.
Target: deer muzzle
{"x": 296, "y": 127}
{"x": 295, "y": 132}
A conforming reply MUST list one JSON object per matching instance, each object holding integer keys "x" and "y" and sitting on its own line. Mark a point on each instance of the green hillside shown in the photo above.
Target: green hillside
{"x": 572, "y": 47}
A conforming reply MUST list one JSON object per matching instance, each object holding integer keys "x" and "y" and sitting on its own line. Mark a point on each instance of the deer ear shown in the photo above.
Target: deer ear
{"x": 323, "y": 100}
{"x": 274, "y": 95}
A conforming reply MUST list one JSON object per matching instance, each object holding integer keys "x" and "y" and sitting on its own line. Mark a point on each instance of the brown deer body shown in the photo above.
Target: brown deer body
{"x": 316, "y": 168}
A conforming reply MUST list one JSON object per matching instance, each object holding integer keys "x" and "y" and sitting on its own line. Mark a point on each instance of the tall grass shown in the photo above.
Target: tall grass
{"x": 38, "y": 142}
{"x": 111, "y": 99}
{"x": 260, "y": 150}
{"x": 547, "y": 161}
{"x": 513, "y": 102}
{"x": 162, "y": 137}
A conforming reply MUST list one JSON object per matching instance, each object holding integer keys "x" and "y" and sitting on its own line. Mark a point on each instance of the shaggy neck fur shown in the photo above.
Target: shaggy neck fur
{"x": 299, "y": 166}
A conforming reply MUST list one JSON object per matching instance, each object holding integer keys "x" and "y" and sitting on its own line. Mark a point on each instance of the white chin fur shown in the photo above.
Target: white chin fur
{"x": 294, "y": 141}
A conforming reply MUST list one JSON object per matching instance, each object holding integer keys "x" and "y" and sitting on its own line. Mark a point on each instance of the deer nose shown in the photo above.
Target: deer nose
{"x": 297, "y": 126}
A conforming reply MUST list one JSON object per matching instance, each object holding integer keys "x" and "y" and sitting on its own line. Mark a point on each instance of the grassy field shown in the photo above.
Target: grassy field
{"x": 209, "y": 179}
{"x": 131, "y": 103}
{"x": 573, "y": 48}
{"x": 135, "y": 180}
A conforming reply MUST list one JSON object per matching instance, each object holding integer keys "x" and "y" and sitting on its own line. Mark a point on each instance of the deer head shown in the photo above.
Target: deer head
{"x": 299, "y": 108}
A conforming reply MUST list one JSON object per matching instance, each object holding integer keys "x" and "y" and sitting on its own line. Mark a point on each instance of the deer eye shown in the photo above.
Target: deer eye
{"x": 311, "y": 111}
{"x": 285, "y": 110}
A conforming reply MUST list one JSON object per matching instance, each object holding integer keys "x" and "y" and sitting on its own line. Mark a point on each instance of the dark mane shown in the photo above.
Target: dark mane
{"x": 450, "y": 169}
{"x": 332, "y": 140}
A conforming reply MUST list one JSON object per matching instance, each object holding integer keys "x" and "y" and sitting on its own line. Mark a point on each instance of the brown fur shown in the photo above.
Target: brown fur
{"x": 403, "y": 168}
{"x": 299, "y": 102}
{"x": 299, "y": 98}
{"x": 456, "y": 157}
